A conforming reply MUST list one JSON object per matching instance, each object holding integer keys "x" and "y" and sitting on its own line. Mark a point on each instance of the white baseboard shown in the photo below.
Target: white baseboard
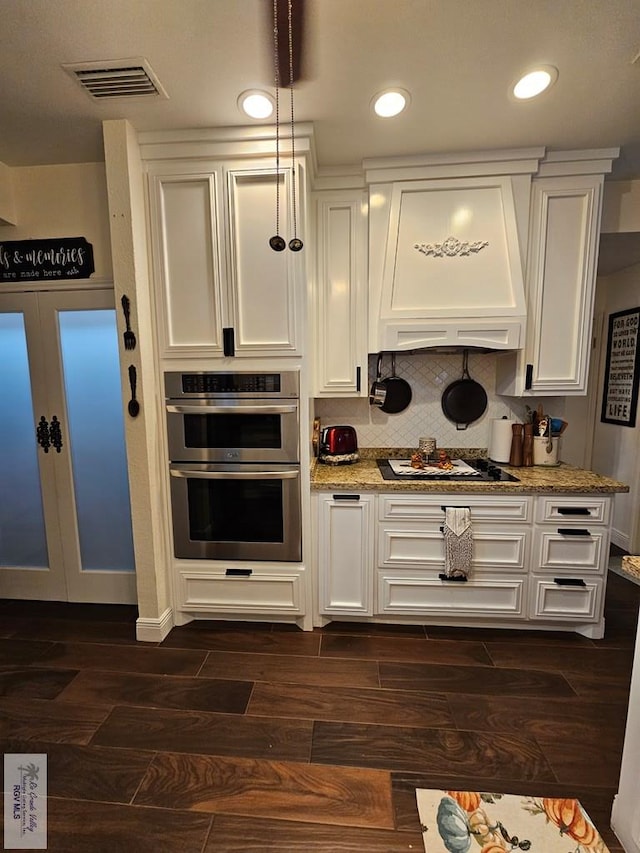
{"x": 621, "y": 826}
{"x": 620, "y": 539}
{"x": 154, "y": 630}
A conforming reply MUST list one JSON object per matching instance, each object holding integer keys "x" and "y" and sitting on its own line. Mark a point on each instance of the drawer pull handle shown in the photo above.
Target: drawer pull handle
{"x": 239, "y": 573}
{"x": 573, "y": 531}
{"x": 346, "y": 497}
{"x": 445, "y": 508}
{"x": 569, "y": 581}
{"x": 574, "y": 510}
{"x": 453, "y": 579}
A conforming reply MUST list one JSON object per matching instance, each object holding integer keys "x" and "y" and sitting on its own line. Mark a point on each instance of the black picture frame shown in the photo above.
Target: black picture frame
{"x": 622, "y": 371}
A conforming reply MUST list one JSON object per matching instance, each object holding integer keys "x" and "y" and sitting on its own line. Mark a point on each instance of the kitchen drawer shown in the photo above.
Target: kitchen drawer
{"x": 580, "y": 510}
{"x": 562, "y": 601}
{"x": 501, "y": 548}
{"x": 400, "y": 507}
{"x": 412, "y": 594}
{"x": 582, "y": 549}
{"x": 265, "y": 591}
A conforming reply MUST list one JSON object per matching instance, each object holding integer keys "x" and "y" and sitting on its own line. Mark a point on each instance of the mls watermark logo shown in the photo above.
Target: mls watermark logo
{"x": 25, "y": 801}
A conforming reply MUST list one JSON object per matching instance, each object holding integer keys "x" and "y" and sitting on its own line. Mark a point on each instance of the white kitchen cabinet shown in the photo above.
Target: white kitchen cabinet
{"x": 538, "y": 561}
{"x": 423, "y": 596}
{"x": 411, "y": 559}
{"x": 560, "y": 276}
{"x": 269, "y": 591}
{"x": 340, "y": 294}
{"x": 570, "y": 560}
{"x": 220, "y": 288}
{"x": 345, "y": 539}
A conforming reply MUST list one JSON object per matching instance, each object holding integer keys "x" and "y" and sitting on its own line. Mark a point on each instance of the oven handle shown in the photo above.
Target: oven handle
{"x": 286, "y": 474}
{"x": 239, "y": 409}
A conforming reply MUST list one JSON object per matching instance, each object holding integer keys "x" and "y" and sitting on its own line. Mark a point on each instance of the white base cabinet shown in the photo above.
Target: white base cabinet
{"x": 273, "y": 592}
{"x": 345, "y": 538}
{"x": 538, "y": 561}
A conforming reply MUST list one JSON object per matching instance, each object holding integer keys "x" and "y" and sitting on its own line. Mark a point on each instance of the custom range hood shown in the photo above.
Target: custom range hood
{"x": 447, "y": 244}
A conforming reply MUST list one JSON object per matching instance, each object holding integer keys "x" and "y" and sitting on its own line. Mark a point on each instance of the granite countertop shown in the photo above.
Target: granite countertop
{"x": 365, "y": 476}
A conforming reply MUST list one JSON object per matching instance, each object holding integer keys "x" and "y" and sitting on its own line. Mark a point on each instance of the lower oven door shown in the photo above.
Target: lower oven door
{"x": 236, "y": 512}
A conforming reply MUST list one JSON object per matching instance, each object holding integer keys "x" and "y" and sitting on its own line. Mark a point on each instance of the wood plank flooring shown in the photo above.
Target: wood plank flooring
{"x": 256, "y": 738}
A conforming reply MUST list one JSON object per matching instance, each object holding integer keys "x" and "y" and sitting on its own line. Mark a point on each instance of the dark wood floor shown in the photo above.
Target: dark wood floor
{"x": 250, "y": 738}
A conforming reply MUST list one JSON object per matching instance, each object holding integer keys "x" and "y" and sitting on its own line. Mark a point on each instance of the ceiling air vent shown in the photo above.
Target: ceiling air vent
{"x": 121, "y": 78}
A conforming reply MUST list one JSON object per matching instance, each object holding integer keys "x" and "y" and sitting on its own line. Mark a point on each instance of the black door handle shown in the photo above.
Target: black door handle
{"x": 573, "y": 531}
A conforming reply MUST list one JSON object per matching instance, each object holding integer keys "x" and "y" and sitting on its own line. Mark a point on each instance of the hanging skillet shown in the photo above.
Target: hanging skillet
{"x": 378, "y": 387}
{"x": 464, "y": 400}
{"x": 398, "y": 391}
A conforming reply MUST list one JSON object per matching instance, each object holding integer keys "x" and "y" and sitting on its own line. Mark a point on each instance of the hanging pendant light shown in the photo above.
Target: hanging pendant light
{"x": 277, "y": 242}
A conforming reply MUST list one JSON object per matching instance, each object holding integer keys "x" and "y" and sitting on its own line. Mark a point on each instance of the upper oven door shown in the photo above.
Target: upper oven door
{"x": 233, "y": 431}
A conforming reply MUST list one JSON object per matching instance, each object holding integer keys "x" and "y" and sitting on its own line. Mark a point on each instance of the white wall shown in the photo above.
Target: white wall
{"x": 616, "y": 449}
{"x": 63, "y": 201}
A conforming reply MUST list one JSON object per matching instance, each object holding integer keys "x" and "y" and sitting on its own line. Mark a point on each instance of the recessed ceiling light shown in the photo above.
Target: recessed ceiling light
{"x": 535, "y": 82}
{"x": 390, "y": 103}
{"x": 256, "y": 104}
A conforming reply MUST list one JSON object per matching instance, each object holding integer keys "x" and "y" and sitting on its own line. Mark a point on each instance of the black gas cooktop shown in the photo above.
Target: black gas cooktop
{"x": 470, "y": 470}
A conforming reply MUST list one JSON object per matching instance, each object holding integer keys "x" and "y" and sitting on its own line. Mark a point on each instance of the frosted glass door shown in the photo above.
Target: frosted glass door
{"x": 22, "y": 536}
{"x": 31, "y": 553}
{"x": 91, "y": 371}
{"x": 65, "y": 520}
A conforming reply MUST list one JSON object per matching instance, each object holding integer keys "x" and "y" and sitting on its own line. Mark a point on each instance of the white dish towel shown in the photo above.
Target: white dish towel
{"x": 458, "y": 542}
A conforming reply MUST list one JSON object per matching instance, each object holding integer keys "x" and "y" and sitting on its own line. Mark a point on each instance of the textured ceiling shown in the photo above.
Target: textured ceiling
{"x": 456, "y": 57}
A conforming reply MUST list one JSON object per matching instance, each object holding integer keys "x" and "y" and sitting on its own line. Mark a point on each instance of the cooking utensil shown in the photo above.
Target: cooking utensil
{"x": 133, "y": 406}
{"x": 128, "y": 336}
{"x": 464, "y": 400}
{"x": 378, "y": 388}
{"x": 398, "y": 391}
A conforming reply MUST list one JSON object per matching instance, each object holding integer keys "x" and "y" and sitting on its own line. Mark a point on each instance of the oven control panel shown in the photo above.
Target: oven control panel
{"x": 220, "y": 384}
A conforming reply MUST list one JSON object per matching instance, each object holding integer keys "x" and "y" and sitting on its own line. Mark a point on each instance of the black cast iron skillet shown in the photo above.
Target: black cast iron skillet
{"x": 464, "y": 400}
{"x": 398, "y": 391}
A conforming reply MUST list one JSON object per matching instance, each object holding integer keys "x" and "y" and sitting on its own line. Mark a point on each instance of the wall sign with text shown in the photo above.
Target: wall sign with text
{"x": 38, "y": 260}
{"x": 620, "y": 397}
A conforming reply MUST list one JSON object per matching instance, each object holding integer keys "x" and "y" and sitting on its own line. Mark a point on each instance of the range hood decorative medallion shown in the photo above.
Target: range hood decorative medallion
{"x": 451, "y": 248}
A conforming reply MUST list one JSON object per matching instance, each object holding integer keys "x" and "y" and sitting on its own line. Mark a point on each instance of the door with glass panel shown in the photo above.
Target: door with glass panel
{"x": 65, "y": 520}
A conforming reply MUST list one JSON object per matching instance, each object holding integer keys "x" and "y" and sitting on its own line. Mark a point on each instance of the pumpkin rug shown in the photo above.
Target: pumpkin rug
{"x": 475, "y": 822}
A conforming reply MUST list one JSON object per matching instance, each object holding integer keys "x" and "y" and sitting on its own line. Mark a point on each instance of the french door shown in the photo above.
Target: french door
{"x": 65, "y": 520}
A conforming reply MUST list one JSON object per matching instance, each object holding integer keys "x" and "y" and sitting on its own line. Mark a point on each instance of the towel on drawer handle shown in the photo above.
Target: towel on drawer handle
{"x": 458, "y": 543}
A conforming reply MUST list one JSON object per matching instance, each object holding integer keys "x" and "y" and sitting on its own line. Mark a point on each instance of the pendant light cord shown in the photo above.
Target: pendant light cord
{"x": 293, "y": 136}
{"x": 277, "y": 82}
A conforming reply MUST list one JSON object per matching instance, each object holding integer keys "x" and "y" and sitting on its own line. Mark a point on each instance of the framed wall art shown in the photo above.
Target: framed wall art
{"x": 622, "y": 371}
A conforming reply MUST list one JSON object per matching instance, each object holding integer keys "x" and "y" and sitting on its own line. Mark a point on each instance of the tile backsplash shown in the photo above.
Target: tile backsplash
{"x": 428, "y": 374}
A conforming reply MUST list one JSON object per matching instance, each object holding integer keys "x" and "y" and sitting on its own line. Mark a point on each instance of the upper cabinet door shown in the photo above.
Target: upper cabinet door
{"x": 220, "y": 290}
{"x": 340, "y": 315}
{"x": 188, "y": 271}
{"x": 265, "y": 285}
{"x": 563, "y": 251}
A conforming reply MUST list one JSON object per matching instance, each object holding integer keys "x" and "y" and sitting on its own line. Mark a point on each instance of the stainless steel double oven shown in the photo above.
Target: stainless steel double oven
{"x": 234, "y": 452}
